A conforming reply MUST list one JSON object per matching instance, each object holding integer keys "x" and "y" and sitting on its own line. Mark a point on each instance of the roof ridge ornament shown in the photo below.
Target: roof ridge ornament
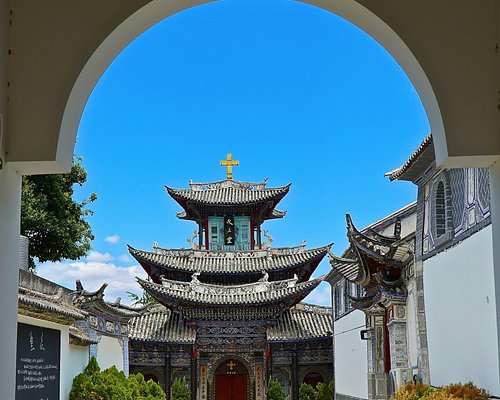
{"x": 229, "y": 163}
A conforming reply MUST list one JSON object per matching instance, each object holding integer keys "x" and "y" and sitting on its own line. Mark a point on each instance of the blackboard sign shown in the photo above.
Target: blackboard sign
{"x": 38, "y": 363}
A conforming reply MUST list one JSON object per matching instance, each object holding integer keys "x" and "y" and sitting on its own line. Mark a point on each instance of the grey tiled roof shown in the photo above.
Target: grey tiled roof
{"x": 79, "y": 337}
{"x": 302, "y": 322}
{"x": 419, "y": 160}
{"x": 390, "y": 250}
{"x": 161, "y": 325}
{"x": 95, "y": 300}
{"x": 228, "y": 261}
{"x": 48, "y": 307}
{"x": 229, "y": 192}
{"x": 174, "y": 293}
{"x": 348, "y": 267}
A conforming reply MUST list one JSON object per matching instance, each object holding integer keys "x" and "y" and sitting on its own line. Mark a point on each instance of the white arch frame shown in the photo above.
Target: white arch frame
{"x": 158, "y": 10}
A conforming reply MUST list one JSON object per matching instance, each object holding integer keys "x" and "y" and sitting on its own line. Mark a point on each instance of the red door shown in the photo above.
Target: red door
{"x": 231, "y": 387}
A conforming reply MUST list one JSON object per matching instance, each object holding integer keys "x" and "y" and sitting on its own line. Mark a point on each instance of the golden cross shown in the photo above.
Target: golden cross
{"x": 231, "y": 365}
{"x": 229, "y": 163}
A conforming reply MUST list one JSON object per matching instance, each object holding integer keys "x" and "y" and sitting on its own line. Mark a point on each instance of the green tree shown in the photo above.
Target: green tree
{"x": 324, "y": 391}
{"x": 180, "y": 389}
{"x": 307, "y": 392}
{"x": 52, "y": 220}
{"x": 274, "y": 390}
{"x": 111, "y": 384}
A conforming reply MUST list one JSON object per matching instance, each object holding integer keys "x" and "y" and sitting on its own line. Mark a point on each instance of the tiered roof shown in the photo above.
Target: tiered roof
{"x": 187, "y": 297}
{"x": 301, "y": 322}
{"x": 199, "y": 287}
{"x": 296, "y": 259}
{"x": 159, "y": 324}
{"x": 228, "y": 197}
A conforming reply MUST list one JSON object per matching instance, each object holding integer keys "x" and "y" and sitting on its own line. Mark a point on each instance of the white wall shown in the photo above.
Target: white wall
{"x": 461, "y": 314}
{"x": 351, "y": 356}
{"x": 73, "y": 358}
{"x": 109, "y": 353}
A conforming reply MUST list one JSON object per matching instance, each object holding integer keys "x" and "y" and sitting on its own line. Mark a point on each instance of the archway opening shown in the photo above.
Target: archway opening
{"x": 231, "y": 381}
{"x": 152, "y": 377}
{"x": 313, "y": 378}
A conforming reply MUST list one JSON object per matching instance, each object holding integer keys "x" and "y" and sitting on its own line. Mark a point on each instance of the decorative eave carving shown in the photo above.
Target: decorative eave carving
{"x": 94, "y": 302}
{"x": 228, "y": 183}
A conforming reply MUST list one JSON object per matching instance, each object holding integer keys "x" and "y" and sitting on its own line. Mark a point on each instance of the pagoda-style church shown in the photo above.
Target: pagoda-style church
{"x": 230, "y": 312}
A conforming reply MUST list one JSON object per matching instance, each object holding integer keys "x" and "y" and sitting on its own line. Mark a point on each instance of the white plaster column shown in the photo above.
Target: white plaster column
{"x": 10, "y": 205}
{"x": 495, "y": 222}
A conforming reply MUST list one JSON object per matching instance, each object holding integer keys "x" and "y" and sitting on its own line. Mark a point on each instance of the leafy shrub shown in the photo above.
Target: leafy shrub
{"x": 111, "y": 384}
{"x": 456, "y": 391}
{"x": 180, "y": 389}
{"x": 324, "y": 391}
{"x": 274, "y": 390}
{"x": 307, "y": 392}
{"x": 412, "y": 392}
{"x": 465, "y": 391}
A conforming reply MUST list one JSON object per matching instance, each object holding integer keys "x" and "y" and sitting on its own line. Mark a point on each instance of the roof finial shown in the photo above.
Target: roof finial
{"x": 229, "y": 163}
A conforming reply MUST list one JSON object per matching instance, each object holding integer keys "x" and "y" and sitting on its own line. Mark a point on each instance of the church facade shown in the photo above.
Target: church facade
{"x": 229, "y": 312}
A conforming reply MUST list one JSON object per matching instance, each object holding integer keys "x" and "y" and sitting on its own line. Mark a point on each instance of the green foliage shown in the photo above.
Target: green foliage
{"x": 180, "y": 389}
{"x": 324, "y": 391}
{"x": 145, "y": 300}
{"x": 111, "y": 384}
{"x": 456, "y": 391}
{"x": 307, "y": 392}
{"x": 274, "y": 390}
{"x": 55, "y": 223}
{"x": 412, "y": 392}
{"x": 92, "y": 367}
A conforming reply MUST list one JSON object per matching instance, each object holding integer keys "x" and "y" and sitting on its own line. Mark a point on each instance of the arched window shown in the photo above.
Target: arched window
{"x": 440, "y": 210}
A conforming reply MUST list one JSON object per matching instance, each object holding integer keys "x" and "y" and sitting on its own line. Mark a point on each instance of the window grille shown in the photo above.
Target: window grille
{"x": 440, "y": 210}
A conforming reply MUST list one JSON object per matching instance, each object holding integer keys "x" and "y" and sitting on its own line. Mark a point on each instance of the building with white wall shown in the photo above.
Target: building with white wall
{"x": 454, "y": 257}
{"x": 59, "y": 330}
{"x": 373, "y": 300}
{"x": 442, "y": 326}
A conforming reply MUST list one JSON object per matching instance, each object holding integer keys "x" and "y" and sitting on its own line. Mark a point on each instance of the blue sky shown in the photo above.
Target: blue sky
{"x": 295, "y": 93}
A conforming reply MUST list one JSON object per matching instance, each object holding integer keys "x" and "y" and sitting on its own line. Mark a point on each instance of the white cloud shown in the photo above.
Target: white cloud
{"x": 99, "y": 257}
{"x": 320, "y": 296}
{"x": 93, "y": 274}
{"x": 113, "y": 239}
{"x": 125, "y": 258}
